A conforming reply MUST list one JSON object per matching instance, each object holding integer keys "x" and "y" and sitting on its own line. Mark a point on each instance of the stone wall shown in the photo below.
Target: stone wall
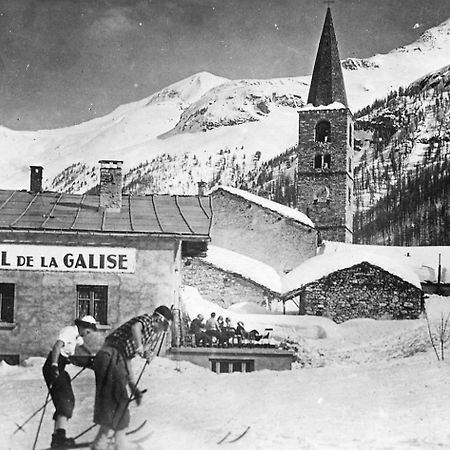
{"x": 224, "y": 288}
{"x": 362, "y": 291}
{"x": 332, "y": 214}
{"x": 47, "y": 301}
{"x": 247, "y": 228}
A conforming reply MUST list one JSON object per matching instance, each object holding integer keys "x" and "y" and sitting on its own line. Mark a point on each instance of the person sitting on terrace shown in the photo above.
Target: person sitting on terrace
{"x": 253, "y": 335}
{"x": 212, "y": 327}
{"x": 228, "y": 331}
{"x": 197, "y": 328}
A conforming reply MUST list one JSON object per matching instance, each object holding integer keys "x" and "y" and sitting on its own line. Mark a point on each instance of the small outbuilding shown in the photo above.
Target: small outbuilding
{"x": 430, "y": 263}
{"x": 349, "y": 285}
{"x": 225, "y": 277}
{"x": 262, "y": 229}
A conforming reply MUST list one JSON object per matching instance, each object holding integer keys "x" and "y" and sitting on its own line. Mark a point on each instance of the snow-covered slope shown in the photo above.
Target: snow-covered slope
{"x": 370, "y": 78}
{"x": 166, "y": 123}
{"x": 239, "y": 102}
{"x": 206, "y": 116}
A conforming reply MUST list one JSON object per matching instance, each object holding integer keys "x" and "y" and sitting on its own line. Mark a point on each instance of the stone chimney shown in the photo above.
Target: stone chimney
{"x": 36, "y": 178}
{"x": 111, "y": 184}
{"x": 201, "y": 188}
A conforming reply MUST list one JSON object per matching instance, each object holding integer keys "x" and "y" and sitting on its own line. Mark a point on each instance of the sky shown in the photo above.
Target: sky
{"x": 63, "y": 62}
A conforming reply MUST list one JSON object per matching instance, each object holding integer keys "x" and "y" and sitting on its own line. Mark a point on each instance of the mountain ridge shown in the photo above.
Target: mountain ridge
{"x": 205, "y": 115}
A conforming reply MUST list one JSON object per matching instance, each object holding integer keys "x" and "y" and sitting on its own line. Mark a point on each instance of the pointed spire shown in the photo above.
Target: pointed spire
{"x": 327, "y": 83}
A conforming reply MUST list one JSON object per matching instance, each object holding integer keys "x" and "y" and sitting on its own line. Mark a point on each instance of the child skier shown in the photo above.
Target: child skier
{"x": 58, "y": 380}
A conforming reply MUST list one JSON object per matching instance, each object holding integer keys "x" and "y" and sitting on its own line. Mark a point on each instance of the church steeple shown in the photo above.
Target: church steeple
{"x": 327, "y": 82}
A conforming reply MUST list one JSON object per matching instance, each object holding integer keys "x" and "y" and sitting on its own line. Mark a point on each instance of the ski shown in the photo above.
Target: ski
{"x": 240, "y": 436}
{"x": 142, "y": 439}
{"x": 223, "y": 439}
{"x": 137, "y": 428}
{"x": 226, "y": 439}
{"x": 85, "y": 444}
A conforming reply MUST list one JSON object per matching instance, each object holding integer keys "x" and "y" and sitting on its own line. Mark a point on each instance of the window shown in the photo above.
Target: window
{"x": 93, "y": 300}
{"x": 11, "y": 359}
{"x": 350, "y": 165}
{"x": 232, "y": 365}
{"x": 322, "y": 161}
{"x": 318, "y": 161}
{"x": 7, "y": 302}
{"x": 323, "y": 131}
{"x": 349, "y": 195}
{"x": 350, "y": 135}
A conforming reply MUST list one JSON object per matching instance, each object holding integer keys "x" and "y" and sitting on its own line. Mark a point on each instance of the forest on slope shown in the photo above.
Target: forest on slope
{"x": 402, "y": 174}
{"x": 402, "y": 181}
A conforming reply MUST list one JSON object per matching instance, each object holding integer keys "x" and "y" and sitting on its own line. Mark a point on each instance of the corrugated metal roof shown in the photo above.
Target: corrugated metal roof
{"x": 187, "y": 216}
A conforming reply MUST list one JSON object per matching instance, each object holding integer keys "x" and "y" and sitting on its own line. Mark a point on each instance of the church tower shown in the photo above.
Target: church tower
{"x": 325, "y": 145}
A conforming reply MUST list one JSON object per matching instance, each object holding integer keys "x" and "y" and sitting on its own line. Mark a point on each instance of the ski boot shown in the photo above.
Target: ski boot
{"x": 59, "y": 439}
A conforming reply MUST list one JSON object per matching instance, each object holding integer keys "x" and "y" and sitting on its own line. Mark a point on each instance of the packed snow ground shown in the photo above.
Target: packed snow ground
{"x": 366, "y": 385}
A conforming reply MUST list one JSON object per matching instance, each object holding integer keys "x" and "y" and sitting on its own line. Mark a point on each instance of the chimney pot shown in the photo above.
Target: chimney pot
{"x": 111, "y": 184}
{"x": 201, "y": 188}
{"x": 36, "y": 178}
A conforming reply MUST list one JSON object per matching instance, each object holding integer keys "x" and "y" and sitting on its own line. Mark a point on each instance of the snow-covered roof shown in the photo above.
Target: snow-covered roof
{"x": 244, "y": 266}
{"x": 338, "y": 256}
{"x": 268, "y": 204}
{"x": 334, "y": 105}
{"x": 322, "y": 265}
{"x": 424, "y": 261}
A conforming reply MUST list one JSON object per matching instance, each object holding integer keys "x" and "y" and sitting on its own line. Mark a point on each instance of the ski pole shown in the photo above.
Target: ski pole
{"x": 47, "y": 401}
{"x": 94, "y": 425}
{"x": 131, "y": 398}
{"x": 41, "y": 419}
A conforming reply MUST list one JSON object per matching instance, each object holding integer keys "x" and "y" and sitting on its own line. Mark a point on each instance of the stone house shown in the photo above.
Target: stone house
{"x": 274, "y": 234}
{"x": 430, "y": 263}
{"x": 225, "y": 277}
{"x": 109, "y": 255}
{"x": 348, "y": 286}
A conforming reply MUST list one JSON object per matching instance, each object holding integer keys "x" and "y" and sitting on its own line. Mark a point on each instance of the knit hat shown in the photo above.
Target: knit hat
{"x": 87, "y": 322}
{"x": 165, "y": 312}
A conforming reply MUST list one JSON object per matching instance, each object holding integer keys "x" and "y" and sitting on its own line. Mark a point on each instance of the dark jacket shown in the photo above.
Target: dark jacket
{"x": 196, "y": 326}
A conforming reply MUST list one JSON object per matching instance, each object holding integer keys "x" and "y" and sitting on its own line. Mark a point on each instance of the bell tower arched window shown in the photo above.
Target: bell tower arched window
{"x": 318, "y": 161}
{"x": 323, "y": 131}
{"x": 322, "y": 161}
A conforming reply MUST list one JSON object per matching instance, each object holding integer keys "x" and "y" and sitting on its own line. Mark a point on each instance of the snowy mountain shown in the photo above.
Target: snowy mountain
{"x": 370, "y": 78}
{"x": 192, "y": 117}
{"x": 204, "y": 127}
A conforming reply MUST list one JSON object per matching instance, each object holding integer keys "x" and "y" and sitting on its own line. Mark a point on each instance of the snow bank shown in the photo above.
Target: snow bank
{"x": 284, "y": 326}
{"x": 437, "y": 307}
{"x": 248, "y": 308}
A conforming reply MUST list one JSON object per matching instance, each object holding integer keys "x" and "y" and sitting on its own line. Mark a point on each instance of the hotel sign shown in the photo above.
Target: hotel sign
{"x": 52, "y": 258}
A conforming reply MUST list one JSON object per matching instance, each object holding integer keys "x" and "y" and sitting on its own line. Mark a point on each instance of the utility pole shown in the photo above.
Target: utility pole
{"x": 439, "y": 276}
